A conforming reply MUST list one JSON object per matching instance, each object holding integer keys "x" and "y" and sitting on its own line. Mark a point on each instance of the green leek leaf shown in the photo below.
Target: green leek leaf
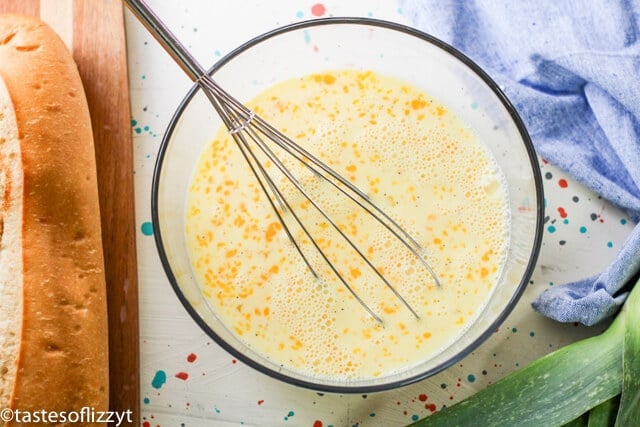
{"x": 562, "y": 386}
{"x": 629, "y": 412}
{"x": 604, "y": 415}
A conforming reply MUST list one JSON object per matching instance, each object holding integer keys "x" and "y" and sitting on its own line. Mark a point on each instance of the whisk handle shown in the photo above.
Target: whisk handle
{"x": 166, "y": 38}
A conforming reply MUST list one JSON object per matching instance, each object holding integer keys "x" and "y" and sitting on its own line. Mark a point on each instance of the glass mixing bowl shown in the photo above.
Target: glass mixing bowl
{"x": 363, "y": 44}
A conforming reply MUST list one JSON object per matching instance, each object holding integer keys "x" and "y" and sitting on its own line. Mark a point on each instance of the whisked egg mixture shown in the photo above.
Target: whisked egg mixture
{"x": 418, "y": 162}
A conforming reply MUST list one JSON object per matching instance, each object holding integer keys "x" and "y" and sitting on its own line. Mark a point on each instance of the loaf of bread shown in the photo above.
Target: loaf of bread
{"x": 53, "y": 319}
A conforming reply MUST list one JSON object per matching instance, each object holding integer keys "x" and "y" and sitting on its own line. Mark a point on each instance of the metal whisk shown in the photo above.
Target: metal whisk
{"x": 248, "y": 129}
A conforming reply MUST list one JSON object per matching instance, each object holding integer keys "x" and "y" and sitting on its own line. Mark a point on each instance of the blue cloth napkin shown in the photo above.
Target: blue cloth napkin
{"x": 572, "y": 70}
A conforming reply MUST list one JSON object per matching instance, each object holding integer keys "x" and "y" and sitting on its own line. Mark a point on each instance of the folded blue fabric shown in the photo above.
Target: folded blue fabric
{"x": 572, "y": 70}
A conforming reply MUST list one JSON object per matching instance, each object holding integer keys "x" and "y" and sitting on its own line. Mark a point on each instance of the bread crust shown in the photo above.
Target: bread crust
{"x": 62, "y": 363}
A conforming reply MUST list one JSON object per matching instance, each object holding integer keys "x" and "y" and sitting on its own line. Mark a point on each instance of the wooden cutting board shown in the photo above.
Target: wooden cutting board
{"x": 94, "y": 32}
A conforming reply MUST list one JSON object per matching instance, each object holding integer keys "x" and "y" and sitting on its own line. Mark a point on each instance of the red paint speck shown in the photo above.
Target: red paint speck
{"x": 562, "y": 212}
{"x": 563, "y": 183}
{"x": 234, "y": 361}
{"x": 317, "y": 423}
{"x": 422, "y": 398}
{"x": 191, "y": 358}
{"x": 318, "y": 9}
{"x": 146, "y": 424}
{"x": 260, "y": 402}
{"x": 182, "y": 375}
{"x": 431, "y": 407}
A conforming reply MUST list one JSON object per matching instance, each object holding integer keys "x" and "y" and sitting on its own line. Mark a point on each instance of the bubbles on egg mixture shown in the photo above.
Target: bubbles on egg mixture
{"x": 414, "y": 159}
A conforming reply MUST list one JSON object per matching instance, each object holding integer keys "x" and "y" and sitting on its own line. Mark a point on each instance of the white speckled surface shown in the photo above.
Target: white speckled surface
{"x": 204, "y": 385}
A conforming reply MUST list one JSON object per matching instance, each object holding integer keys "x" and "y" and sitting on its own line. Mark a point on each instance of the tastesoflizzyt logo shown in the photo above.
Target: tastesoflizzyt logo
{"x": 83, "y": 416}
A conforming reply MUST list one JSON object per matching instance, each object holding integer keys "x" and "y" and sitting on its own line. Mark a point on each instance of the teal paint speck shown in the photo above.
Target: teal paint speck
{"x": 143, "y": 77}
{"x": 138, "y": 130}
{"x": 474, "y": 105}
{"x": 307, "y": 37}
{"x": 147, "y": 228}
{"x": 514, "y": 330}
{"x": 133, "y": 122}
{"x": 299, "y": 14}
{"x": 159, "y": 379}
{"x": 565, "y": 221}
{"x": 400, "y": 11}
{"x": 289, "y": 415}
{"x": 217, "y": 53}
{"x": 146, "y": 400}
{"x": 609, "y": 244}
{"x": 551, "y": 229}
{"x": 146, "y": 128}
{"x": 623, "y": 221}
{"x": 532, "y": 334}
{"x": 415, "y": 417}
{"x": 583, "y": 229}
{"x": 471, "y": 378}
{"x": 373, "y": 414}
{"x": 217, "y": 410}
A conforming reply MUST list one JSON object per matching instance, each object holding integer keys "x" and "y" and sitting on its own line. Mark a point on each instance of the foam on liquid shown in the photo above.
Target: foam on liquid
{"x": 417, "y": 161}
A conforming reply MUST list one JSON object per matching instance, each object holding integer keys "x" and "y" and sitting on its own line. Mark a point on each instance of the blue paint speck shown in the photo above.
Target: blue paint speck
{"x": 159, "y": 379}
{"x": 583, "y": 229}
{"x": 147, "y": 228}
{"x": 551, "y": 229}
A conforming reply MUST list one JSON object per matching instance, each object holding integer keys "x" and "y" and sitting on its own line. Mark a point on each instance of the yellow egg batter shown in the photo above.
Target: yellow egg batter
{"x": 415, "y": 159}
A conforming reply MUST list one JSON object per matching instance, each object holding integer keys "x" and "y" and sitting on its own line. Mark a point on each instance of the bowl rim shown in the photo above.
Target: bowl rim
{"x": 458, "y": 55}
